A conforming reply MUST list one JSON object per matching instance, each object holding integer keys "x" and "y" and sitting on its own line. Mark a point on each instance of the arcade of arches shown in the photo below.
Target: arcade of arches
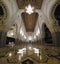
{"x": 29, "y": 31}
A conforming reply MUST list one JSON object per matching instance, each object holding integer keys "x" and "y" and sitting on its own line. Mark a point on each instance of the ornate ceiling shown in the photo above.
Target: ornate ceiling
{"x": 36, "y": 3}
{"x": 29, "y": 20}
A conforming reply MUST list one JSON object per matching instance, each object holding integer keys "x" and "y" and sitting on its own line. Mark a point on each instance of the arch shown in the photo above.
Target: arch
{"x": 28, "y": 61}
{"x": 3, "y": 12}
{"x": 47, "y": 34}
{"x": 10, "y": 8}
{"x": 56, "y": 13}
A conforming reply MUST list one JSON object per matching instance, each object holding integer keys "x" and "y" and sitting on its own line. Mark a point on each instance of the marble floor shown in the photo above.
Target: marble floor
{"x": 47, "y": 55}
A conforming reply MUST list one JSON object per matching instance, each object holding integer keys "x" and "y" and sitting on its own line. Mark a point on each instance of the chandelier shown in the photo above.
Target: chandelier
{"x": 29, "y": 9}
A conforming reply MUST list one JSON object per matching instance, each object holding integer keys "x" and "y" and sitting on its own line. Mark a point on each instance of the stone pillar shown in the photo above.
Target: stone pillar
{"x": 58, "y": 38}
{"x": 2, "y": 39}
{"x": 17, "y": 41}
{"x": 54, "y": 38}
{"x": 42, "y": 38}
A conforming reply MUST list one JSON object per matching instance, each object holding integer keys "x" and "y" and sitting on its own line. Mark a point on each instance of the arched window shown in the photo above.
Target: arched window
{"x": 57, "y": 13}
{"x": 1, "y": 11}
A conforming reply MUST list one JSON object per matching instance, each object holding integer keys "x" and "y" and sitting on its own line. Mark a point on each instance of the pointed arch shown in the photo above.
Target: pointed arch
{"x": 55, "y": 13}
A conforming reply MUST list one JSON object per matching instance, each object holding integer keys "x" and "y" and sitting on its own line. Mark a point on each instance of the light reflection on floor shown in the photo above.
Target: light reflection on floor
{"x": 49, "y": 55}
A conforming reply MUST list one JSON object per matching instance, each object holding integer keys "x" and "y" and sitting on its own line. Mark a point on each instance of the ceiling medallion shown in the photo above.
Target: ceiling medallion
{"x": 29, "y": 9}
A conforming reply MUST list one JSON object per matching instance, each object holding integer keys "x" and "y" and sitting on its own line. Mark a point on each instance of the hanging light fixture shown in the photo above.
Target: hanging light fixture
{"x": 29, "y": 9}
